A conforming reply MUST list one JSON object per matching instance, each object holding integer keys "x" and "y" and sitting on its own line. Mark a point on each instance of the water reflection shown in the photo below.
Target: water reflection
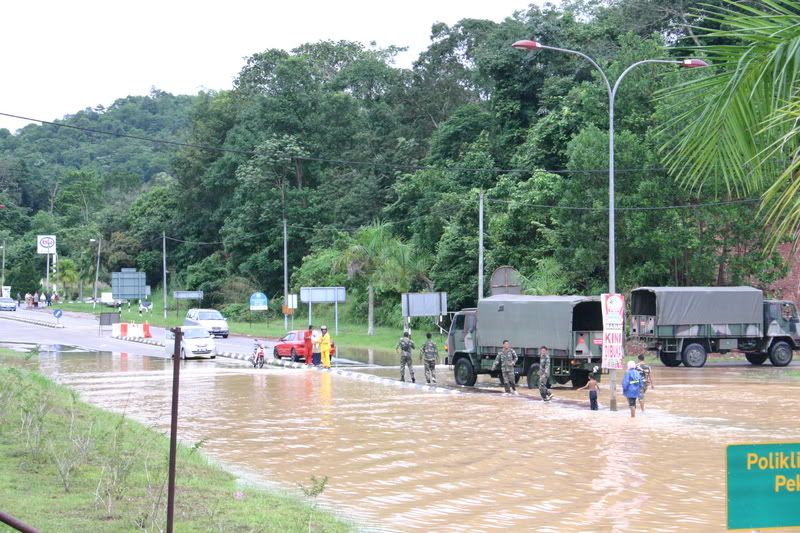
{"x": 415, "y": 460}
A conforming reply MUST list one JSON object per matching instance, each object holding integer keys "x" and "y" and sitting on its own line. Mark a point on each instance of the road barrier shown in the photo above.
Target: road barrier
{"x": 131, "y": 329}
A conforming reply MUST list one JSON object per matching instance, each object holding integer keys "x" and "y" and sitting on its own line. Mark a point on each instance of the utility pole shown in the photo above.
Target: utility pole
{"x": 3, "y": 282}
{"x": 97, "y": 271}
{"x": 285, "y": 276}
{"x": 47, "y": 274}
{"x": 164, "y": 259}
{"x": 480, "y": 247}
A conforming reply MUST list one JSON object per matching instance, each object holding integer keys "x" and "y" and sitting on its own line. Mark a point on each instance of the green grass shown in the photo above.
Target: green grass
{"x": 207, "y": 497}
{"x": 351, "y": 335}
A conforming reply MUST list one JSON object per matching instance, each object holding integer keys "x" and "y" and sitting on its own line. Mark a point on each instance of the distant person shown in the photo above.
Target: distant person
{"x": 594, "y": 389}
{"x": 631, "y": 385}
{"x": 19, "y": 299}
{"x": 56, "y": 299}
{"x": 35, "y": 299}
{"x": 48, "y": 298}
{"x": 325, "y": 347}
{"x": 544, "y": 373}
{"x": 316, "y": 357}
{"x": 506, "y": 359}
{"x": 429, "y": 354}
{"x": 404, "y": 347}
{"x": 42, "y": 300}
{"x": 307, "y": 344}
{"x": 646, "y": 374}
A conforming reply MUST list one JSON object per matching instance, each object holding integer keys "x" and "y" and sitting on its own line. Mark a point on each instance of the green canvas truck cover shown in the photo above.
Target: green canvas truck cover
{"x": 528, "y": 321}
{"x": 681, "y": 306}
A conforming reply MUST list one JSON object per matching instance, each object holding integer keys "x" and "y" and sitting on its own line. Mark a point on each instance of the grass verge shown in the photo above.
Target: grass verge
{"x": 68, "y": 466}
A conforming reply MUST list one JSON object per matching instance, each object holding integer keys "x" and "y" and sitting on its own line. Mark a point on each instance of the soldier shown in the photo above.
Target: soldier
{"x": 404, "y": 347}
{"x": 429, "y": 354}
{"x": 544, "y": 373}
{"x": 647, "y": 379}
{"x": 506, "y": 359}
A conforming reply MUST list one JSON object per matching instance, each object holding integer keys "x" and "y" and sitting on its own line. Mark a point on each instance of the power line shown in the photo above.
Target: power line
{"x": 645, "y": 208}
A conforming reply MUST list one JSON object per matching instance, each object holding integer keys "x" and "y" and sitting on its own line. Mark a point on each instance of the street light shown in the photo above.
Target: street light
{"x": 529, "y": 45}
{"x": 3, "y": 282}
{"x": 97, "y": 270}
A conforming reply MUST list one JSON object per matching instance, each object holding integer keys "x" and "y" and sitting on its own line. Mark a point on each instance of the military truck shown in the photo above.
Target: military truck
{"x": 685, "y": 324}
{"x": 570, "y": 326}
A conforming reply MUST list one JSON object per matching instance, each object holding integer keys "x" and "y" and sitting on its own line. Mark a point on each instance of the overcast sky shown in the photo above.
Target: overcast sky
{"x": 59, "y": 57}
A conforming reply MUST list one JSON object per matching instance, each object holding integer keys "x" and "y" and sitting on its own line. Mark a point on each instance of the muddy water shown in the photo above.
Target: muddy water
{"x": 411, "y": 460}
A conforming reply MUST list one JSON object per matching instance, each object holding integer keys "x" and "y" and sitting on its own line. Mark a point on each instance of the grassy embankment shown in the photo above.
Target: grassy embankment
{"x": 350, "y": 335}
{"x": 68, "y": 466}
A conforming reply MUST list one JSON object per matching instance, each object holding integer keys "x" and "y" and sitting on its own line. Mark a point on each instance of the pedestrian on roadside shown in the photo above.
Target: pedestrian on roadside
{"x": 48, "y": 298}
{"x": 19, "y": 299}
{"x": 325, "y": 347}
{"x": 631, "y": 385}
{"x": 428, "y": 354}
{"x": 594, "y": 389}
{"x": 506, "y": 359}
{"x": 646, "y": 374}
{"x": 316, "y": 355}
{"x": 35, "y": 299}
{"x": 544, "y": 373}
{"x": 42, "y": 300}
{"x": 307, "y": 345}
{"x": 404, "y": 347}
{"x": 28, "y": 298}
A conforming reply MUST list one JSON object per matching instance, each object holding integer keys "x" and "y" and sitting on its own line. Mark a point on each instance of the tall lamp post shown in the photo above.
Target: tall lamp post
{"x": 3, "y": 282}
{"x": 97, "y": 270}
{"x": 528, "y": 45}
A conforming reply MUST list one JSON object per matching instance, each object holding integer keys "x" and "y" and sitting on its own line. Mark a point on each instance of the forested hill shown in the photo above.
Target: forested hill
{"x": 378, "y": 170}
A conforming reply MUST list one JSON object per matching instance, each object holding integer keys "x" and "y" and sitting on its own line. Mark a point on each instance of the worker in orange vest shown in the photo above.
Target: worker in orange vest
{"x": 307, "y": 343}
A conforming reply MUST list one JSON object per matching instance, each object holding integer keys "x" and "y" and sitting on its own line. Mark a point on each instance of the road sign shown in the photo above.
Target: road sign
{"x": 58, "y": 313}
{"x": 291, "y": 301}
{"x": 322, "y": 295}
{"x": 259, "y": 302}
{"x": 46, "y": 244}
{"x": 613, "y": 330}
{"x": 423, "y": 303}
{"x": 127, "y": 284}
{"x": 763, "y": 485}
{"x": 187, "y": 295}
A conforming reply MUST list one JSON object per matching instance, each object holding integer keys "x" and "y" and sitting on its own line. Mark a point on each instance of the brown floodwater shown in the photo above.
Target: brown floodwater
{"x": 406, "y": 458}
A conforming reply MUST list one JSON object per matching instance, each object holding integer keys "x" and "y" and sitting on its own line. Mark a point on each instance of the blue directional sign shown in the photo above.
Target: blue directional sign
{"x": 259, "y": 302}
{"x": 58, "y": 313}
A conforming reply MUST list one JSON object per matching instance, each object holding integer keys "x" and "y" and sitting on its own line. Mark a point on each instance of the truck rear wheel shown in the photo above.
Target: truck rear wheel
{"x": 464, "y": 373}
{"x": 780, "y": 354}
{"x": 756, "y": 358}
{"x": 579, "y": 378}
{"x": 694, "y": 355}
{"x": 533, "y": 377}
{"x": 669, "y": 359}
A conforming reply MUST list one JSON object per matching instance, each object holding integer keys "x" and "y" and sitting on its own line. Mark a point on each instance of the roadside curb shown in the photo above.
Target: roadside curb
{"x": 34, "y": 322}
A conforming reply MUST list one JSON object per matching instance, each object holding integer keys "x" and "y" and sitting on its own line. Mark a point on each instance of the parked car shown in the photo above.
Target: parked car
{"x": 292, "y": 345}
{"x": 211, "y": 319}
{"x": 8, "y": 304}
{"x": 196, "y": 342}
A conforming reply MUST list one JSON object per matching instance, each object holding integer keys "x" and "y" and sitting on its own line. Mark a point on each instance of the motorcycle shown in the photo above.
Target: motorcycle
{"x": 258, "y": 356}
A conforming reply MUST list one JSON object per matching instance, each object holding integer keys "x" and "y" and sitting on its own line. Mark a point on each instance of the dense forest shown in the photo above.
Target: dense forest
{"x": 378, "y": 170}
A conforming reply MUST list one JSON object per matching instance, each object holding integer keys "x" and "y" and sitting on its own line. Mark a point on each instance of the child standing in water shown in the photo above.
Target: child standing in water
{"x": 593, "y": 387}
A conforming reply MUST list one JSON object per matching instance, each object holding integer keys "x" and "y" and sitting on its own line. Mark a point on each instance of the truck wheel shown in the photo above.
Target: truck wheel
{"x": 756, "y": 358}
{"x": 533, "y": 377}
{"x": 694, "y": 355}
{"x": 464, "y": 372}
{"x": 579, "y": 378}
{"x": 561, "y": 380}
{"x": 780, "y": 354}
{"x": 669, "y": 359}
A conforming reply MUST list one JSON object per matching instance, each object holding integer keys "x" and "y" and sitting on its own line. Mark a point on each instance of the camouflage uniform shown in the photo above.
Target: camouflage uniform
{"x": 429, "y": 355}
{"x": 544, "y": 376}
{"x": 506, "y": 360}
{"x": 406, "y": 345}
{"x": 644, "y": 370}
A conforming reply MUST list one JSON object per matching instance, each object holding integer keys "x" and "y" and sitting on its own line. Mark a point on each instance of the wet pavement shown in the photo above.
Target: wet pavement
{"x": 422, "y": 459}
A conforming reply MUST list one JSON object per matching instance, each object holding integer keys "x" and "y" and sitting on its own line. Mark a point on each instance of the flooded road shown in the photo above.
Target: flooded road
{"x": 414, "y": 459}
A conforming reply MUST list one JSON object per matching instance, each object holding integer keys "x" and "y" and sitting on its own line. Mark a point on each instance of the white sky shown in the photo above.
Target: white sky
{"x": 59, "y": 57}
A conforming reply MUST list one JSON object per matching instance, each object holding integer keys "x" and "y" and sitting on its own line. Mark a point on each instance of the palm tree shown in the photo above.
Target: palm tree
{"x": 67, "y": 274}
{"x": 737, "y": 129}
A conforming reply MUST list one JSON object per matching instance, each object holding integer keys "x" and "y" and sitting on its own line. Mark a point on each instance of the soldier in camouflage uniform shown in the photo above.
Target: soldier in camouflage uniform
{"x": 506, "y": 359}
{"x": 544, "y": 373}
{"x": 404, "y": 347}
{"x": 429, "y": 353}
{"x": 647, "y": 379}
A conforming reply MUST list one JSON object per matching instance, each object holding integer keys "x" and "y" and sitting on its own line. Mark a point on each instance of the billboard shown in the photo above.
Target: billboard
{"x": 46, "y": 244}
{"x": 128, "y": 284}
{"x": 423, "y": 303}
{"x": 613, "y": 330}
{"x": 322, "y": 295}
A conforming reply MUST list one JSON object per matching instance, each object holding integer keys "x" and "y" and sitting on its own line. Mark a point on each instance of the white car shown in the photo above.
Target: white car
{"x": 211, "y": 319}
{"x": 8, "y": 304}
{"x": 196, "y": 342}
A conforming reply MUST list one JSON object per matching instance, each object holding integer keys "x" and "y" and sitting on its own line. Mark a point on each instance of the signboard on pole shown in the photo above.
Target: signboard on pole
{"x": 46, "y": 244}
{"x": 127, "y": 284}
{"x": 322, "y": 295}
{"x": 187, "y": 295}
{"x": 763, "y": 485}
{"x": 259, "y": 302}
{"x": 423, "y": 304}
{"x": 291, "y": 301}
{"x": 613, "y": 330}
